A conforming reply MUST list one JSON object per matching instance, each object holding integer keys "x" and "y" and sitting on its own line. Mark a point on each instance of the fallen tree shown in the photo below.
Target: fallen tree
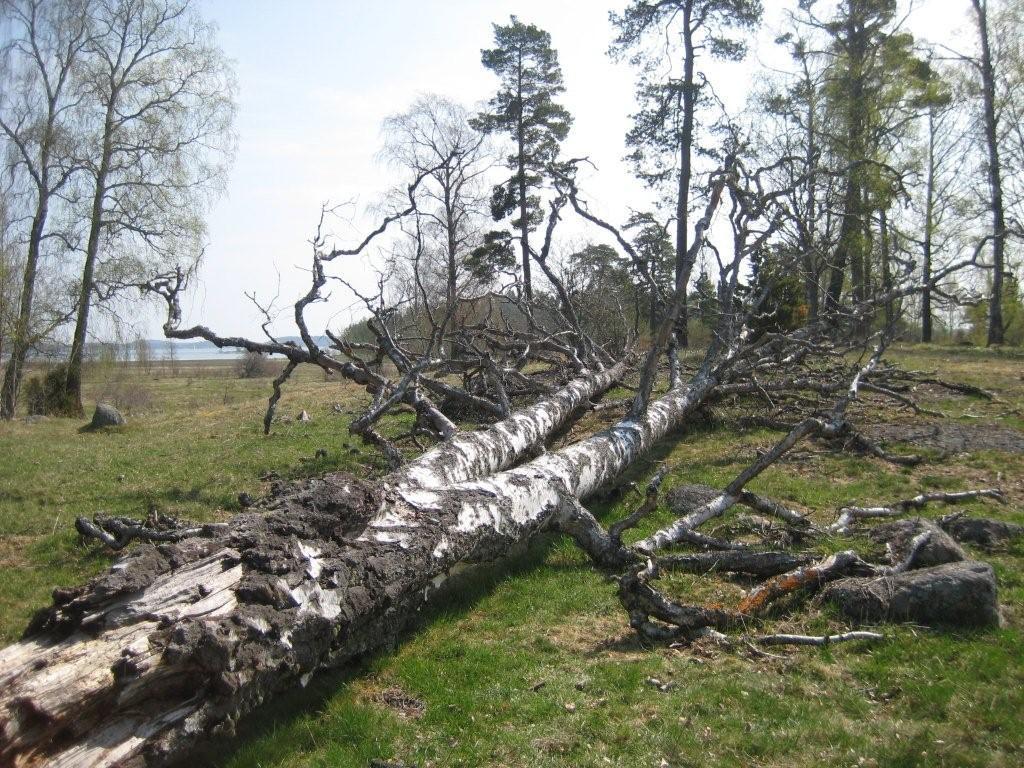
{"x": 181, "y": 639}
{"x": 186, "y": 634}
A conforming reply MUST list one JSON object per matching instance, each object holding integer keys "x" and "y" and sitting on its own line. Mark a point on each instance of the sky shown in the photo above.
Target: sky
{"x": 317, "y": 78}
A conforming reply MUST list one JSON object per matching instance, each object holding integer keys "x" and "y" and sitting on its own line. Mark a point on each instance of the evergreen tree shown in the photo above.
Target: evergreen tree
{"x": 875, "y": 87}
{"x": 525, "y": 109}
{"x": 663, "y": 135}
{"x": 654, "y": 246}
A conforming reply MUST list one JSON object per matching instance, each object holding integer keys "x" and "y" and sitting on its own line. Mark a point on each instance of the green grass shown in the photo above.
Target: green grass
{"x": 531, "y": 662}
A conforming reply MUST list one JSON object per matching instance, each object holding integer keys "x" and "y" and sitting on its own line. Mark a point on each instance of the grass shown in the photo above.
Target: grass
{"x": 531, "y": 662}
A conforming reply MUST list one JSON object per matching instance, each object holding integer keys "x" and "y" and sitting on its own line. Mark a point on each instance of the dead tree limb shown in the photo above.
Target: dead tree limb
{"x": 850, "y": 514}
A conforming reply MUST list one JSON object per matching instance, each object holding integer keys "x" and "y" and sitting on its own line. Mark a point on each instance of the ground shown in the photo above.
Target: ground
{"x": 531, "y": 663}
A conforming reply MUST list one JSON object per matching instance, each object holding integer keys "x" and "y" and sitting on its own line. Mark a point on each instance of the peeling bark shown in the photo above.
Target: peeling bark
{"x": 179, "y": 640}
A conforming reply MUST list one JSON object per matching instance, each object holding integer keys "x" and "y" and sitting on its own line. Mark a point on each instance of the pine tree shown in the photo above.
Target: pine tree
{"x": 663, "y": 135}
{"x": 525, "y": 109}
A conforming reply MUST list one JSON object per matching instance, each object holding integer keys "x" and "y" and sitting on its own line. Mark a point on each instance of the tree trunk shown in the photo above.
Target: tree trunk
{"x": 988, "y": 81}
{"x": 179, "y": 640}
{"x": 886, "y": 244}
{"x": 21, "y": 338}
{"x": 849, "y": 249}
{"x": 524, "y": 218}
{"x": 812, "y": 290}
{"x": 684, "y": 265}
{"x": 72, "y": 399}
{"x": 929, "y": 228}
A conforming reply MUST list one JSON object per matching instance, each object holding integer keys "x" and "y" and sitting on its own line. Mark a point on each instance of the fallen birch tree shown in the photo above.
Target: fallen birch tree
{"x": 187, "y": 634}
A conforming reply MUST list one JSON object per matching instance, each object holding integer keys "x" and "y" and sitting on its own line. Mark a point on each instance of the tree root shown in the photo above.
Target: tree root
{"x": 119, "y": 532}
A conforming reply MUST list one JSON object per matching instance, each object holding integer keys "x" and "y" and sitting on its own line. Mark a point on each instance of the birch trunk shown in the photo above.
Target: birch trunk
{"x": 176, "y": 642}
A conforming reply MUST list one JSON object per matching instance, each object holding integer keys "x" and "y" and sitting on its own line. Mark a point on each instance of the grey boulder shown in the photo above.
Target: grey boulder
{"x": 106, "y": 415}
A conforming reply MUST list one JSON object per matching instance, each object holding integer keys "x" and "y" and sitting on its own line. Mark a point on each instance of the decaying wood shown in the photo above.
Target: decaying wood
{"x": 817, "y": 640}
{"x": 961, "y": 594}
{"x": 848, "y": 515}
{"x": 119, "y": 532}
{"x": 180, "y": 640}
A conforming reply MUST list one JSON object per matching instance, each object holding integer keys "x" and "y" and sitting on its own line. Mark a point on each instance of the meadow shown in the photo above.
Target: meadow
{"x": 531, "y": 662}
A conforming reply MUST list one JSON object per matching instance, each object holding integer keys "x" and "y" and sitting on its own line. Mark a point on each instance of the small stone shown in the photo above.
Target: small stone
{"x": 106, "y": 416}
{"x": 304, "y": 416}
{"x": 245, "y": 499}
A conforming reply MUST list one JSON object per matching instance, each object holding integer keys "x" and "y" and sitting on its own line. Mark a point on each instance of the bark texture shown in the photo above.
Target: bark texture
{"x": 179, "y": 640}
{"x": 959, "y": 594}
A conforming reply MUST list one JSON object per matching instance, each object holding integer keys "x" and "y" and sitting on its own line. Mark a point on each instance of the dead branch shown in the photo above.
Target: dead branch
{"x": 850, "y": 514}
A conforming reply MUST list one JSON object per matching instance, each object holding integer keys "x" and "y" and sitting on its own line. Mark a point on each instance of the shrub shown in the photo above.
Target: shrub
{"x": 252, "y": 365}
{"x": 48, "y": 394}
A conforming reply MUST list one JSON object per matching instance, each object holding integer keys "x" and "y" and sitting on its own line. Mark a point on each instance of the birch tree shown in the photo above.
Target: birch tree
{"x": 40, "y": 121}
{"x": 159, "y": 92}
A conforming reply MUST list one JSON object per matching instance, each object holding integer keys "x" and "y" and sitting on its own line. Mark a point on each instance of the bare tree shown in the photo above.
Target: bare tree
{"x": 39, "y": 121}
{"x": 161, "y": 93}
{"x": 435, "y": 138}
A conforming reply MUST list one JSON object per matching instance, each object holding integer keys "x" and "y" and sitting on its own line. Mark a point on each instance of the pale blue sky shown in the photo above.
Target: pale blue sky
{"x": 316, "y": 78}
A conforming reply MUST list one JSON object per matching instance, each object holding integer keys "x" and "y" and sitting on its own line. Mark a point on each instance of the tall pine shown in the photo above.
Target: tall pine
{"x": 662, "y": 140}
{"x": 524, "y": 108}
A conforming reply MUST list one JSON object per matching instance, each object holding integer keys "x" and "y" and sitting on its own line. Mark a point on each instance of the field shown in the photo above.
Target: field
{"x": 532, "y": 663}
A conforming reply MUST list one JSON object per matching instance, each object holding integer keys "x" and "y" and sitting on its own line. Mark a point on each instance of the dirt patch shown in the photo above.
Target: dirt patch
{"x": 950, "y": 436}
{"x": 13, "y": 551}
{"x": 401, "y": 703}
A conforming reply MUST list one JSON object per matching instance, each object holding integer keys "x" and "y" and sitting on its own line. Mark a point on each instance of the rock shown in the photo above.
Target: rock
{"x": 106, "y": 416}
{"x": 898, "y": 536}
{"x": 304, "y": 416}
{"x": 245, "y": 500}
{"x": 980, "y": 530}
{"x": 959, "y": 594}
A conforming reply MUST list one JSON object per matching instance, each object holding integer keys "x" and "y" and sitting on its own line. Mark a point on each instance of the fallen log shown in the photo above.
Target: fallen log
{"x": 961, "y": 594}
{"x": 179, "y": 640}
{"x": 982, "y": 531}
